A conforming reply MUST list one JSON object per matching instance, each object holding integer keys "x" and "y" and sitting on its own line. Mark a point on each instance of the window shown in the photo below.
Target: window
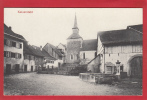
{"x": 16, "y": 55}
{"x": 84, "y": 55}
{"x": 20, "y": 46}
{"x": 7, "y": 54}
{"x": 4, "y": 53}
{"x": 5, "y": 41}
{"x": 136, "y": 48}
{"x": 71, "y": 57}
{"x": 8, "y": 43}
{"x": 121, "y": 68}
{"x": 19, "y": 56}
{"x": 12, "y": 55}
{"x": 13, "y": 44}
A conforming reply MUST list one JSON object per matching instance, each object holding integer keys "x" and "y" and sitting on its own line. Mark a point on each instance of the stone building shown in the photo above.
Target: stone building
{"x": 74, "y": 43}
{"x": 55, "y": 53}
{"x": 79, "y": 52}
{"x": 123, "y": 47}
{"x": 88, "y": 51}
{"x": 39, "y": 57}
{"x": 13, "y": 51}
{"x": 29, "y": 59}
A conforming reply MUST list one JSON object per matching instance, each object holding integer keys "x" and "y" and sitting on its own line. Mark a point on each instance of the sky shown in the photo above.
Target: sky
{"x": 54, "y": 25}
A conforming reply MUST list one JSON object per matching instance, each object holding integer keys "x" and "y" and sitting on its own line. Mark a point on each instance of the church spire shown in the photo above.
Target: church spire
{"x": 75, "y": 22}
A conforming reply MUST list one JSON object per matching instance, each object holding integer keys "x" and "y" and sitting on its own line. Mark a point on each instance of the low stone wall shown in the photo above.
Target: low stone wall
{"x": 90, "y": 77}
{"x": 97, "y": 77}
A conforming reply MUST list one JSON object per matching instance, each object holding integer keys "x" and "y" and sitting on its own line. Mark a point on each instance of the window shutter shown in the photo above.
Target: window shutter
{"x": 20, "y": 56}
{"x": 9, "y": 53}
{"x": 8, "y": 43}
{"x": 16, "y": 55}
{"x": 5, "y": 41}
{"x": 4, "y": 53}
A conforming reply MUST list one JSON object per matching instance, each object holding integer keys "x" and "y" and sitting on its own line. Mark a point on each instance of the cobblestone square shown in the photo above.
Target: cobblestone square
{"x": 50, "y": 84}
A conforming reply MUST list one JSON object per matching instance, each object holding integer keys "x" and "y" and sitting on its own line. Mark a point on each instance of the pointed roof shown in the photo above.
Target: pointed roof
{"x": 75, "y": 23}
{"x": 75, "y": 35}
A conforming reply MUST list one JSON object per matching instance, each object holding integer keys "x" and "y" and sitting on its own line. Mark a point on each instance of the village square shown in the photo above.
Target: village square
{"x": 109, "y": 64}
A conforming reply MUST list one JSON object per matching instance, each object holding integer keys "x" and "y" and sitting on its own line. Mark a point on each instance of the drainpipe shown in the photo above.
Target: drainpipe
{"x": 104, "y": 59}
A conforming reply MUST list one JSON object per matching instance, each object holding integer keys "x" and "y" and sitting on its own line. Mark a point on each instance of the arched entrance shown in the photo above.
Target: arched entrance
{"x": 135, "y": 64}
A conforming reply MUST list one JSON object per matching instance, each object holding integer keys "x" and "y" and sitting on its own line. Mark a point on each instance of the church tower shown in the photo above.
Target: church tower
{"x": 74, "y": 43}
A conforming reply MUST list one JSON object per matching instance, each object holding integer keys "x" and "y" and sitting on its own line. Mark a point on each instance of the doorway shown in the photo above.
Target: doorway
{"x": 8, "y": 68}
{"x": 25, "y": 68}
{"x": 17, "y": 68}
{"x": 31, "y": 68}
{"x": 109, "y": 69}
{"x": 136, "y": 67}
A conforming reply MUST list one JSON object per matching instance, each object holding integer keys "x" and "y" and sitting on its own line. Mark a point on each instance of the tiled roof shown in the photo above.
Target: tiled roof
{"x": 47, "y": 56}
{"x": 89, "y": 45}
{"x": 136, "y": 27}
{"x": 120, "y": 36}
{"x": 10, "y": 32}
{"x": 26, "y": 49}
{"x": 74, "y": 36}
{"x": 55, "y": 49}
{"x": 36, "y": 51}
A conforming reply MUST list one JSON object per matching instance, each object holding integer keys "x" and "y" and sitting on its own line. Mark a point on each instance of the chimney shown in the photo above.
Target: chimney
{"x": 41, "y": 48}
{"x": 10, "y": 27}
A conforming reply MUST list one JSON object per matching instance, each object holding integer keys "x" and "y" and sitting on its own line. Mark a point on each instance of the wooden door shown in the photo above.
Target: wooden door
{"x": 8, "y": 68}
{"x": 25, "y": 68}
{"x": 17, "y": 68}
{"x": 109, "y": 69}
{"x": 136, "y": 67}
{"x": 31, "y": 68}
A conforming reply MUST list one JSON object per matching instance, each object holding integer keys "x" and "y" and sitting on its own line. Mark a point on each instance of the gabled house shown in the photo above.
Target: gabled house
{"x": 120, "y": 51}
{"x": 49, "y": 60}
{"x": 54, "y": 53}
{"x": 39, "y": 57}
{"x": 88, "y": 51}
{"x": 62, "y": 48}
{"x": 29, "y": 58}
{"x": 13, "y": 51}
